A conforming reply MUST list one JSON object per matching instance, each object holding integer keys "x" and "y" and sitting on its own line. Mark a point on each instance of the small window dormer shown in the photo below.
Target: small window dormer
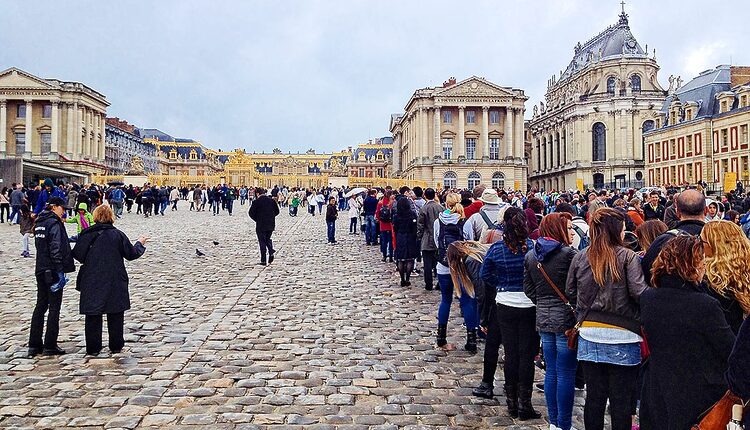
{"x": 726, "y": 100}
{"x": 193, "y": 155}
{"x": 691, "y": 110}
{"x": 173, "y": 154}
{"x": 675, "y": 110}
{"x": 743, "y": 94}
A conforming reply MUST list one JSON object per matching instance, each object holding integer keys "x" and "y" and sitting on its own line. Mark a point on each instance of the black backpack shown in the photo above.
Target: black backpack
{"x": 385, "y": 214}
{"x": 448, "y": 234}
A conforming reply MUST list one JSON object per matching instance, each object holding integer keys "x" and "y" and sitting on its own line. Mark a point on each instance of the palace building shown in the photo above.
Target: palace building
{"x": 460, "y": 135}
{"x": 589, "y": 133}
{"x": 122, "y": 143}
{"x": 701, "y": 131}
{"x": 50, "y": 128}
{"x": 371, "y": 162}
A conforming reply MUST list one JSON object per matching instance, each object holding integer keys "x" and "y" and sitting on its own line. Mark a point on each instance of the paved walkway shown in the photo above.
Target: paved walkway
{"x": 323, "y": 338}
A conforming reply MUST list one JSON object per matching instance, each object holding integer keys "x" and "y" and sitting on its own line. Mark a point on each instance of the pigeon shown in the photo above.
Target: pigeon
{"x": 216, "y": 243}
{"x": 199, "y": 253}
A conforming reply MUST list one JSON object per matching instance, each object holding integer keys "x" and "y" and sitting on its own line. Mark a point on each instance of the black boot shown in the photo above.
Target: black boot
{"x": 511, "y": 399}
{"x": 471, "y": 341}
{"x": 484, "y": 390}
{"x": 525, "y": 409}
{"x": 441, "y": 335}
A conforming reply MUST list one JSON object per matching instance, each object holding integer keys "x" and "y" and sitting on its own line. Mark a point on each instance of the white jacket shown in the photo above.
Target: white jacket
{"x": 354, "y": 206}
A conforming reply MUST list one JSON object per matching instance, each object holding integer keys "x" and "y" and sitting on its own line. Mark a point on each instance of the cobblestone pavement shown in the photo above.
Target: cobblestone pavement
{"x": 323, "y": 338}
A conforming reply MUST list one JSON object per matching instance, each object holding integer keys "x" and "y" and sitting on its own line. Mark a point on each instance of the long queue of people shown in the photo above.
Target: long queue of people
{"x": 649, "y": 314}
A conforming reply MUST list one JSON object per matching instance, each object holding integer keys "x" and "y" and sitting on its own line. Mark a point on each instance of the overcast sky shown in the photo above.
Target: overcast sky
{"x": 328, "y": 74}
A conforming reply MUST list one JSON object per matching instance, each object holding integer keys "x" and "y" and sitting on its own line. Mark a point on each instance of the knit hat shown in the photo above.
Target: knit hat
{"x": 48, "y": 183}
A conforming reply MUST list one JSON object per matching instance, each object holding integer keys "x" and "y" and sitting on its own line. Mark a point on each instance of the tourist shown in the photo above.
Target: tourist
{"x": 405, "y": 229}
{"x": 384, "y": 217}
{"x": 647, "y": 232}
{"x": 484, "y": 218}
{"x": 738, "y": 373}
{"x": 502, "y": 270}
{"x": 103, "y": 280}
{"x": 369, "y": 207}
{"x": 26, "y": 225}
{"x": 243, "y": 195}
{"x": 147, "y": 199}
{"x": 534, "y": 213}
{"x": 331, "y": 214}
{"x": 294, "y": 206}
{"x": 580, "y": 226}
{"x": 197, "y": 198}
{"x": 354, "y": 207}
{"x": 49, "y": 190}
{"x": 311, "y": 203}
{"x": 129, "y": 197}
{"x": 713, "y": 213}
{"x": 476, "y": 202}
{"x": 5, "y": 206}
{"x": 53, "y": 261}
{"x": 654, "y": 209}
{"x": 448, "y": 228}
{"x": 18, "y": 199}
{"x": 320, "y": 200}
{"x": 82, "y": 218}
{"x": 688, "y": 338}
{"x": 429, "y": 212}
{"x": 216, "y": 197}
{"x": 230, "y": 196}
{"x": 545, "y": 273}
{"x": 596, "y": 201}
{"x": 174, "y": 197}
{"x": 605, "y": 280}
{"x": 264, "y": 212}
{"x": 727, "y": 261}
{"x": 635, "y": 212}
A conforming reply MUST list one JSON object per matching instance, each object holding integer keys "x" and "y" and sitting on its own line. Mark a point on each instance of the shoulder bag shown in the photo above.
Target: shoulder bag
{"x": 717, "y": 416}
{"x": 571, "y": 333}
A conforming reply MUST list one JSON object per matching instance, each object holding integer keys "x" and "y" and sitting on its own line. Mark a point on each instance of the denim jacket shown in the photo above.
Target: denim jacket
{"x": 503, "y": 269}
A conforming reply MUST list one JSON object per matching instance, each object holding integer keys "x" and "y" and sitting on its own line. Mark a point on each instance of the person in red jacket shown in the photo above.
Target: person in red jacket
{"x": 476, "y": 204}
{"x": 386, "y": 225}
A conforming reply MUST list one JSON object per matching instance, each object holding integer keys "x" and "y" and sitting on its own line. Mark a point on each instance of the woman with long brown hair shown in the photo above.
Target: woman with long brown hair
{"x": 688, "y": 337}
{"x": 647, "y": 232}
{"x": 545, "y": 272}
{"x": 605, "y": 281}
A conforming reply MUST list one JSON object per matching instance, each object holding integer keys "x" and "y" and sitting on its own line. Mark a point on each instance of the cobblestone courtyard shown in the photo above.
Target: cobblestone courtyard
{"x": 323, "y": 338}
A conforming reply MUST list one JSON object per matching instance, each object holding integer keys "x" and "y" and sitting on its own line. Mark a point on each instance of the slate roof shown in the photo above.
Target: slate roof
{"x": 702, "y": 90}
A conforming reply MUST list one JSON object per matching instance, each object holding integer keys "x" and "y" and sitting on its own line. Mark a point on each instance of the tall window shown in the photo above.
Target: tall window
{"x": 538, "y": 155}
{"x": 470, "y": 117}
{"x": 380, "y": 172}
{"x": 46, "y": 143}
{"x": 361, "y": 172}
{"x": 447, "y": 148}
{"x": 498, "y": 181}
{"x": 494, "y": 117}
{"x": 599, "y": 143}
{"x": 20, "y": 143}
{"x": 47, "y": 111}
{"x": 635, "y": 83}
{"x": 471, "y": 148}
{"x": 611, "y": 85}
{"x": 447, "y": 117}
{"x": 21, "y": 110}
{"x": 449, "y": 180}
{"x": 494, "y": 148}
{"x": 474, "y": 179}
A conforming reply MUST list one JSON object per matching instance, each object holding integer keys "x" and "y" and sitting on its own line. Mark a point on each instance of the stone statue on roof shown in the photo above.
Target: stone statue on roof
{"x": 136, "y": 166}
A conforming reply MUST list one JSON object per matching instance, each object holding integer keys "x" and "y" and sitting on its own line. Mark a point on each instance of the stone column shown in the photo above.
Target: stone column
{"x": 77, "y": 129}
{"x": 95, "y": 140}
{"x": 485, "y": 132}
{"x": 102, "y": 137}
{"x": 509, "y": 132}
{"x": 70, "y": 142}
{"x": 461, "y": 144}
{"x": 55, "y": 128}
{"x": 3, "y": 127}
{"x": 424, "y": 145}
{"x": 29, "y": 127}
{"x": 436, "y": 146}
{"x": 396, "y": 163}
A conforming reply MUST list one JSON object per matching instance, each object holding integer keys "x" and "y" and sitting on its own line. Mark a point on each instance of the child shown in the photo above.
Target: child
{"x": 83, "y": 218}
{"x": 26, "y": 222}
{"x": 294, "y": 206}
{"x": 331, "y": 214}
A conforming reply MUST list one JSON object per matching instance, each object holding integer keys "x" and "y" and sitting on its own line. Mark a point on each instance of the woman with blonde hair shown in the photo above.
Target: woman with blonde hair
{"x": 727, "y": 262}
{"x": 605, "y": 281}
{"x": 102, "y": 280}
{"x": 448, "y": 228}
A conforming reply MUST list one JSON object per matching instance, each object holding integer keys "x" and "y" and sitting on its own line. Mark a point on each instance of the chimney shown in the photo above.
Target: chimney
{"x": 739, "y": 75}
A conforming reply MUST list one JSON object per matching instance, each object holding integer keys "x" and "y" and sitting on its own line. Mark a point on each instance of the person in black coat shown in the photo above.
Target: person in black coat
{"x": 103, "y": 281}
{"x": 653, "y": 209}
{"x": 738, "y": 374}
{"x": 689, "y": 339}
{"x": 264, "y": 211}
{"x": 53, "y": 261}
{"x": 405, "y": 227}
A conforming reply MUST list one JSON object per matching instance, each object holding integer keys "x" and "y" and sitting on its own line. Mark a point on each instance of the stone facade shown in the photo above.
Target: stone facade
{"x": 59, "y": 124}
{"x": 371, "y": 162}
{"x": 590, "y": 130}
{"x": 122, "y": 143}
{"x": 701, "y": 132}
{"x": 460, "y": 135}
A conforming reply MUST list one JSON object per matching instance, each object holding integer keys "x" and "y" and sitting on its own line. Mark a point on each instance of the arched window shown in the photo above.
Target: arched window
{"x": 498, "y": 181}
{"x": 648, "y": 125}
{"x": 599, "y": 142}
{"x": 635, "y": 83}
{"x": 474, "y": 179}
{"x": 611, "y": 85}
{"x": 449, "y": 180}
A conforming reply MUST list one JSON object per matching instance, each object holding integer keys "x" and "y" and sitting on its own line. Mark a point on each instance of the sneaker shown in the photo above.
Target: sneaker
{"x": 271, "y": 258}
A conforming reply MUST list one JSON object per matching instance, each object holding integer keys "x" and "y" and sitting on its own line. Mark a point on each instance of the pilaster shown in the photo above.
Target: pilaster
{"x": 55, "y": 132}
{"x": 3, "y": 127}
{"x": 461, "y": 149}
{"x": 485, "y": 132}
{"x": 29, "y": 131}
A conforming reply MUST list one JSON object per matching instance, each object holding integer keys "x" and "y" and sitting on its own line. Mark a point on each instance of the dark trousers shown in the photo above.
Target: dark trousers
{"x": 266, "y": 244}
{"x": 4, "y": 211}
{"x": 331, "y": 225}
{"x": 45, "y": 300}
{"x": 608, "y": 381}
{"x": 520, "y": 343}
{"x": 230, "y": 205}
{"x": 353, "y": 225}
{"x": 430, "y": 263}
{"x": 386, "y": 243}
{"x": 491, "y": 349}
{"x": 93, "y": 331}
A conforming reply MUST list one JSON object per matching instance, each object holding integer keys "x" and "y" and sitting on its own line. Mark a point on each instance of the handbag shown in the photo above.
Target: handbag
{"x": 571, "y": 333}
{"x": 717, "y": 416}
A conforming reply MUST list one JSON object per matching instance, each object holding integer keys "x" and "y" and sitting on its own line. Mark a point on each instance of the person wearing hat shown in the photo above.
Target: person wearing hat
{"x": 487, "y": 216}
{"x": 53, "y": 261}
{"x": 82, "y": 218}
{"x": 48, "y": 190}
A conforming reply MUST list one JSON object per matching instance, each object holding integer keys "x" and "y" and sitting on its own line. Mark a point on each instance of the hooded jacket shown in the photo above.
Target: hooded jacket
{"x": 52, "y": 244}
{"x": 446, "y": 217}
{"x": 552, "y": 315}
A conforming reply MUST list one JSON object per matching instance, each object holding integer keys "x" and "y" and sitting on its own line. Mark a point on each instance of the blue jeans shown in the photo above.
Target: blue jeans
{"x": 370, "y": 229}
{"x": 331, "y": 230}
{"x": 386, "y": 247}
{"x": 15, "y": 214}
{"x": 163, "y": 206}
{"x": 559, "y": 379}
{"x": 468, "y": 304}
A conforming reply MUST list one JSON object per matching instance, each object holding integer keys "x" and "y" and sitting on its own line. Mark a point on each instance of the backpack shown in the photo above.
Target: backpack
{"x": 448, "y": 234}
{"x": 488, "y": 225}
{"x": 117, "y": 195}
{"x": 585, "y": 240}
{"x": 385, "y": 214}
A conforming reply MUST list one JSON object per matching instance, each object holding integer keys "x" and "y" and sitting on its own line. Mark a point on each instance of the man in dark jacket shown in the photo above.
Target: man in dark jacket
{"x": 53, "y": 261}
{"x": 264, "y": 212}
{"x": 653, "y": 209}
{"x": 691, "y": 209}
{"x": 425, "y": 224}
